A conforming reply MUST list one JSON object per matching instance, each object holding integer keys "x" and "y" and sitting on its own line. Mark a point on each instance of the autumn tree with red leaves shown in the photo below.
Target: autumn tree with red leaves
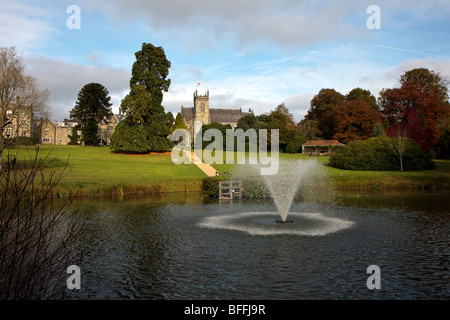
{"x": 415, "y": 109}
{"x": 355, "y": 120}
{"x": 322, "y": 110}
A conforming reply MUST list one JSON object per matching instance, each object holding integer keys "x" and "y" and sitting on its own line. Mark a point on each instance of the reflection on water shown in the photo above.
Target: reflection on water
{"x": 156, "y": 248}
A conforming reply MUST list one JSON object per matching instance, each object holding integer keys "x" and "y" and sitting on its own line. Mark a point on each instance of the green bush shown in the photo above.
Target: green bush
{"x": 23, "y": 141}
{"x": 376, "y": 154}
{"x": 136, "y": 138}
{"x": 129, "y": 138}
{"x": 253, "y": 188}
{"x": 210, "y": 185}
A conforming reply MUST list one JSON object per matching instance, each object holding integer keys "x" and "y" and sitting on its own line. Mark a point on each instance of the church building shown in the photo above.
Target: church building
{"x": 202, "y": 112}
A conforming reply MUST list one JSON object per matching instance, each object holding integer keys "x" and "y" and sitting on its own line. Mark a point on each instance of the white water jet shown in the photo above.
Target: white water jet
{"x": 303, "y": 177}
{"x": 284, "y": 185}
{"x": 261, "y": 224}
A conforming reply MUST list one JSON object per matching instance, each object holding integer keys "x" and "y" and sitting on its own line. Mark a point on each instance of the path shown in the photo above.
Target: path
{"x": 206, "y": 168}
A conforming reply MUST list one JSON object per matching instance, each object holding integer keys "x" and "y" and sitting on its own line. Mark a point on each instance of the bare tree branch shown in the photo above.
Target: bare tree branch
{"x": 19, "y": 96}
{"x": 38, "y": 233}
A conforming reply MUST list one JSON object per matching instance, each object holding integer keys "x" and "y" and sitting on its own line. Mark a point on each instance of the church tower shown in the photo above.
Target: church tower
{"x": 201, "y": 107}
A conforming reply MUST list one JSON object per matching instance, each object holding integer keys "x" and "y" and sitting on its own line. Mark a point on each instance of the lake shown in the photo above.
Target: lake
{"x": 181, "y": 246}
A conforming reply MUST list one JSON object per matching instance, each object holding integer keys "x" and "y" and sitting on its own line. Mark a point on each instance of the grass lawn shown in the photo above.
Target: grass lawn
{"x": 369, "y": 180}
{"x": 98, "y": 171}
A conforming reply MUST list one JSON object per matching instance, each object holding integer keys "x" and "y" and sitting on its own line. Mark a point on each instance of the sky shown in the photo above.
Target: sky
{"x": 253, "y": 54}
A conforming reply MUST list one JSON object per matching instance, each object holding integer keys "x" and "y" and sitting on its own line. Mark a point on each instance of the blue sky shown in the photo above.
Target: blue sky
{"x": 250, "y": 54}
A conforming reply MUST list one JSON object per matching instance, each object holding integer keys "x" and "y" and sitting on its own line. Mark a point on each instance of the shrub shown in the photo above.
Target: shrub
{"x": 210, "y": 185}
{"x": 294, "y": 144}
{"x": 129, "y": 138}
{"x": 376, "y": 154}
{"x": 24, "y": 141}
{"x": 139, "y": 138}
{"x": 38, "y": 233}
{"x": 253, "y": 188}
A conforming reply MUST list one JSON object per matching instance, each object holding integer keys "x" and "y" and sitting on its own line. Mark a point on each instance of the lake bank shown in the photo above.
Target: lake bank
{"x": 96, "y": 172}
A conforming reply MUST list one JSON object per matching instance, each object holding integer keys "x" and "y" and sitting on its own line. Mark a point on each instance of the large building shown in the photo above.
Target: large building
{"x": 202, "y": 112}
{"x": 60, "y": 132}
{"x": 18, "y": 122}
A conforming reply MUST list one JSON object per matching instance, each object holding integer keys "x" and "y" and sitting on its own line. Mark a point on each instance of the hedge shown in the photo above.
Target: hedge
{"x": 376, "y": 154}
{"x": 253, "y": 188}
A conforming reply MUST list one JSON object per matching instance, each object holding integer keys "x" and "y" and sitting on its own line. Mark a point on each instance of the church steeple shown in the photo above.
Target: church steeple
{"x": 201, "y": 106}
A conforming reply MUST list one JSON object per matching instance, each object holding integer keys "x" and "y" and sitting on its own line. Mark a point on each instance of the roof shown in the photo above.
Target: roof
{"x": 225, "y": 115}
{"x": 322, "y": 143}
{"x": 215, "y": 114}
{"x": 187, "y": 113}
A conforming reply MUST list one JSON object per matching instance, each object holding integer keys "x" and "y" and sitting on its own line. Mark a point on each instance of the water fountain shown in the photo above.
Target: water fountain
{"x": 306, "y": 179}
{"x": 284, "y": 185}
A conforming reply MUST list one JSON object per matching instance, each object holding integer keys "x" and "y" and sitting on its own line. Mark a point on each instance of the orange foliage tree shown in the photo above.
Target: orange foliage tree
{"x": 355, "y": 120}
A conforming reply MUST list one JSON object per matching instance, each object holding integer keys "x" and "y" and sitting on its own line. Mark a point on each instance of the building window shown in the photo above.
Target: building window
{"x": 59, "y": 132}
{"x": 59, "y": 141}
{"x": 24, "y": 123}
{"x": 46, "y": 139}
{"x": 46, "y": 130}
{"x": 110, "y": 128}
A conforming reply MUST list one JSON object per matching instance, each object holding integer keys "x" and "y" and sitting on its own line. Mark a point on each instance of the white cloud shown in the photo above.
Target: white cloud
{"x": 205, "y": 23}
{"x": 250, "y": 54}
{"x": 24, "y": 26}
{"x": 64, "y": 81}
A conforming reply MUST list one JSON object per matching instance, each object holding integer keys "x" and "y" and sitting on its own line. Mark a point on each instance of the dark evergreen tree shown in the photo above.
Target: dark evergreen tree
{"x": 143, "y": 105}
{"x": 92, "y": 106}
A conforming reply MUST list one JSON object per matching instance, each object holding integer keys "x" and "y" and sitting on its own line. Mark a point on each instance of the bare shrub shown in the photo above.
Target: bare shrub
{"x": 38, "y": 232}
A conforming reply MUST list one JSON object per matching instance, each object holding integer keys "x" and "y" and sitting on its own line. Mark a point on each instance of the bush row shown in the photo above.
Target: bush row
{"x": 377, "y": 154}
{"x": 23, "y": 141}
{"x": 253, "y": 188}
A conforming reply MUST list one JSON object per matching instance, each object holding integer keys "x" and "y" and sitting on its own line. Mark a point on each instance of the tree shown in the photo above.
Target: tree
{"x": 74, "y": 137}
{"x": 92, "y": 106}
{"x": 378, "y": 130}
{"x": 218, "y": 126}
{"x": 355, "y": 120}
{"x": 399, "y": 142}
{"x": 428, "y": 80}
{"x": 39, "y": 235}
{"x": 309, "y": 129}
{"x": 143, "y": 104}
{"x": 376, "y": 154}
{"x": 17, "y": 91}
{"x": 418, "y": 110}
{"x": 432, "y": 82}
{"x": 364, "y": 95}
{"x": 170, "y": 121}
{"x": 281, "y": 119}
{"x": 290, "y": 139}
{"x": 130, "y": 138}
{"x": 322, "y": 110}
{"x": 179, "y": 122}
{"x": 443, "y": 144}
{"x": 151, "y": 70}
{"x": 250, "y": 121}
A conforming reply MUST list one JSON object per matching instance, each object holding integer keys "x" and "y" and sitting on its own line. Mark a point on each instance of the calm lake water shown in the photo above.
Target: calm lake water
{"x": 183, "y": 247}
